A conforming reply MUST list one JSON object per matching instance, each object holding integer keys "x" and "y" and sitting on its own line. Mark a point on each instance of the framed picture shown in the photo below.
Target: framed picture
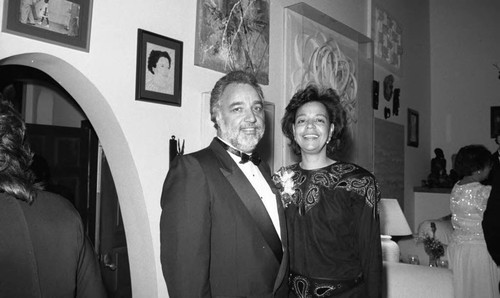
{"x": 62, "y": 22}
{"x": 495, "y": 121}
{"x": 232, "y": 35}
{"x": 159, "y": 69}
{"x": 412, "y": 128}
{"x": 387, "y": 37}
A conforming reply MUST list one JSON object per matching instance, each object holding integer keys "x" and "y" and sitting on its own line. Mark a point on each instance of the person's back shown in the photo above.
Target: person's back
{"x": 44, "y": 251}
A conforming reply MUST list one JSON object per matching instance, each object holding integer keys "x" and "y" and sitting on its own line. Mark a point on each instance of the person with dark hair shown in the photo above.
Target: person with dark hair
{"x": 332, "y": 206}
{"x": 159, "y": 63}
{"x": 44, "y": 251}
{"x": 222, "y": 230}
{"x": 44, "y": 12}
{"x": 474, "y": 272}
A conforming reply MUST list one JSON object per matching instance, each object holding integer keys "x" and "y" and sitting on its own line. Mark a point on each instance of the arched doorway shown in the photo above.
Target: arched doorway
{"x": 119, "y": 157}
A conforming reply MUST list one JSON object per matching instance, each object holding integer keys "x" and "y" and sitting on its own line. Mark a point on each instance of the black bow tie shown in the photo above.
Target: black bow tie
{"x": 244, "y": 157}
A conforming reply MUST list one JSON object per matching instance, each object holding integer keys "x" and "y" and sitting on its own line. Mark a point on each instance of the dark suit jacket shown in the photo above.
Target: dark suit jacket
{"x": 44, "y": 251}
{"x": 495, "y": 168}
{"x": 491, "y": 218}
{"x": 211, "y": 246}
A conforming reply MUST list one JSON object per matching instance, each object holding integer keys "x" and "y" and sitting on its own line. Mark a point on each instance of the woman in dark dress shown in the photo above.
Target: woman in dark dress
{"x": 332, "y": 216}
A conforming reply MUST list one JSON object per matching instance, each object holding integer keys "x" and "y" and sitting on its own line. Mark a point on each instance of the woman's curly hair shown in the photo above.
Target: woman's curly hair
{"x": 16, "y": 178}
{"x": 472, "y": 158}
{"x": 336, "y": 115}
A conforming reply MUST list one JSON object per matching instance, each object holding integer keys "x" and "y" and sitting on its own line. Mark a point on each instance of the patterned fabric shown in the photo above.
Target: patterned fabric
{"x": 305, "y": 287}
{"x": 467, "y": 205}
{"x": 334, "y": 229}
{"x": 336, "y": 176}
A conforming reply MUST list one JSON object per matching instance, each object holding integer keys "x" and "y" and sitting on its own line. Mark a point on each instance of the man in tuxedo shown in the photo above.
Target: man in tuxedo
{"x": 495, "y": 159}
{"x": 222, "y": 228}
{"x": 491, "y": 219}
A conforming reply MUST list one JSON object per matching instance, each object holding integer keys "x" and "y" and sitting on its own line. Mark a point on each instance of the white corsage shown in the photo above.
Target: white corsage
{"x": 284, "y": 182}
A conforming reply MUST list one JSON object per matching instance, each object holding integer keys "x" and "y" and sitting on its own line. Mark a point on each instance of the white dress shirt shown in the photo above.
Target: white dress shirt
{"x": 260, "y": 185}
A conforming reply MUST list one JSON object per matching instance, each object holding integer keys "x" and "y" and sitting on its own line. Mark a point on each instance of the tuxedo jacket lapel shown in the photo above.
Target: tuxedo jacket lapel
{"x": 284, "y": 235}
{"x": 250, "y": 199}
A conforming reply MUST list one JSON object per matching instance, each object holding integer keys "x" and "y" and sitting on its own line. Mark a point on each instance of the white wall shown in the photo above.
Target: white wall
{"x": 465, "y": 38}
{"x": 110, "y": 67}
{"x": 414, "y": 82}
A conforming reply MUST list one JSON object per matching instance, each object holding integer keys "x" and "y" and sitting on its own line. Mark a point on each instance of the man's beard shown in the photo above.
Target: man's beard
{"x": 239, "y": 139}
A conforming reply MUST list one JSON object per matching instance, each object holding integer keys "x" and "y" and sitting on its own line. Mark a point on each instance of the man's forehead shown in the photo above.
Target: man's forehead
{"x": 240, "y": 94}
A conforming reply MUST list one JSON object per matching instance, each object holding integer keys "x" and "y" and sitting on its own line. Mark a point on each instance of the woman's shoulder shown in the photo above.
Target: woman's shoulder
{"x": 471, "y": 186}
{"x": 350, "y": 169}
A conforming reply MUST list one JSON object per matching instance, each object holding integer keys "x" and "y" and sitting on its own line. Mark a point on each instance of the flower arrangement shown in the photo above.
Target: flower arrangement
{"x": 432, "y": 246}
{"x": 284, "y": 182}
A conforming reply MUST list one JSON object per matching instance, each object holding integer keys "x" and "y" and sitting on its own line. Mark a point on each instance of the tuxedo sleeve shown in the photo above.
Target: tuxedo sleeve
{"x": 491, "y": 221}
{"x": 185, "y": 229}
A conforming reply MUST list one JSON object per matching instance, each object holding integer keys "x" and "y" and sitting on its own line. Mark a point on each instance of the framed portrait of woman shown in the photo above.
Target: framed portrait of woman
{"x": 159, "y": 69}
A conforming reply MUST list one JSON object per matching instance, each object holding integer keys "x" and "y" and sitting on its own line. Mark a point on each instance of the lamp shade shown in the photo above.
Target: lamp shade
{"x": 392, "y": 220}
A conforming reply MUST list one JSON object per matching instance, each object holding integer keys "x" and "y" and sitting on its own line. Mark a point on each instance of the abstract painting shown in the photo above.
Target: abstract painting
{"x": 233, "y": 35}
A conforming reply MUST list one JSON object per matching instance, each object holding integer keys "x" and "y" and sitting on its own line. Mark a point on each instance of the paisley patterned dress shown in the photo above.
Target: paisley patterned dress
{"x": 333, "y": 228}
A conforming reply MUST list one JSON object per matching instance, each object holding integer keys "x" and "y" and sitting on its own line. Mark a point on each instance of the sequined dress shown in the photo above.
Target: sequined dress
{"x": 474, "y": 272}
{"x": 333, "y": 227}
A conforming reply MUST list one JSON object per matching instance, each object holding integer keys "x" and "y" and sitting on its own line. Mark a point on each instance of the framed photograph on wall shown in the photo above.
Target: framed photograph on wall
{"x": 412, "y": 137}
{"x": 159, "y": 69}
{"x": 62, "y": 22}
{"x": 495, "y": 121}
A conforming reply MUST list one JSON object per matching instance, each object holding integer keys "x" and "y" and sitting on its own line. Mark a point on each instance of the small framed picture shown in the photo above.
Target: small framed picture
{"x": 495, "y": 121}
{"x": 412, "y": 137}
{"x": 61, "y": 22}
{"x": 159, "y": 69}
